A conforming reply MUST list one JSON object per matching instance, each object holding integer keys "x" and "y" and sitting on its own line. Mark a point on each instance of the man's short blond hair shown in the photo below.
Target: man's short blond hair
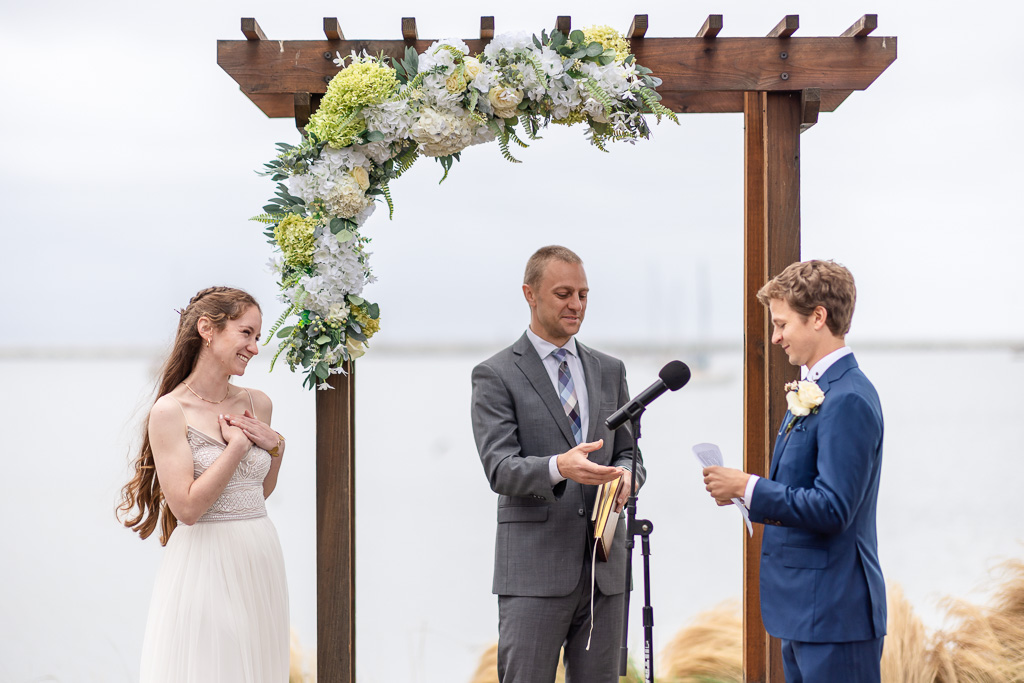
{"x": 808, "y": 284}
{"x": 535, "y": 266}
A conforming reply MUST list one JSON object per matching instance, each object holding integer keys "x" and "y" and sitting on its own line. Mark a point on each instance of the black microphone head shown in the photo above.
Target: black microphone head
{"x": 675, "y": 374}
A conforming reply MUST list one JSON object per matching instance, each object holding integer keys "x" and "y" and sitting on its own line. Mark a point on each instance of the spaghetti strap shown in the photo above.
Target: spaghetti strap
{"x": 251, "y": 404}
{"x": 182, "y": 408}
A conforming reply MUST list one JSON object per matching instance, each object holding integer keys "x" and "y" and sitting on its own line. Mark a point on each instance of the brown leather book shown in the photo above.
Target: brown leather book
{"x": 604, "y": 518}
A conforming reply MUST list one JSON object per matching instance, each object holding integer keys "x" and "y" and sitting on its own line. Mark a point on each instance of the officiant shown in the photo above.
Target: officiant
{"x": 538, "y": 411}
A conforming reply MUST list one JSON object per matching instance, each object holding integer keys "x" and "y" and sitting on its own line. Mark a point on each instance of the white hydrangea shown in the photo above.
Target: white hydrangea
{"x": 330, "y": 180}
{"x": 441, "y": 133}
{"x": 340, "y": 269}
{"x": 512, "y": 41}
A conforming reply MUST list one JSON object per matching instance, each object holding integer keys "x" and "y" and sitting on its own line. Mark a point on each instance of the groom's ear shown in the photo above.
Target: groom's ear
{"x": 819, "y": 316}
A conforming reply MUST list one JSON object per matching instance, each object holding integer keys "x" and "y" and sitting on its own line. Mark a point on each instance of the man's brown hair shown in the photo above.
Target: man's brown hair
{"x": 535, "y": 266}
{"x": 808, "y": 284}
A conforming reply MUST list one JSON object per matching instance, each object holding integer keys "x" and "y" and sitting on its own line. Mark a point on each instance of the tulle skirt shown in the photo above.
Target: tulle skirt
{"x": 219, "y": 612}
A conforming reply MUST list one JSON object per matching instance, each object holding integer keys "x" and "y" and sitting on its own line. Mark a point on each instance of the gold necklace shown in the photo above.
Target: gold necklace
{"x": 226, "y": 392}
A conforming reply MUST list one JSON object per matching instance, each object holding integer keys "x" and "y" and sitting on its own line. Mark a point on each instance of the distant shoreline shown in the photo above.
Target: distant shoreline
{"x": 482, "y": 349}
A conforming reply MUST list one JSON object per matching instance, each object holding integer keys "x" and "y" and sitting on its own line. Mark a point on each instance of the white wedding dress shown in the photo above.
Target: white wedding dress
{"x": 219, "y": 612}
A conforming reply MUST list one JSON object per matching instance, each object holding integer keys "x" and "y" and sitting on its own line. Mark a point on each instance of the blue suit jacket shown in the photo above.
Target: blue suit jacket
{"x": 821, "y": 581}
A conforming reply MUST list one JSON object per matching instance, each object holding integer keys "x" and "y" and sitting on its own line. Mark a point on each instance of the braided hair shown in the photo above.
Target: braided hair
{"x": 142, "y": 500}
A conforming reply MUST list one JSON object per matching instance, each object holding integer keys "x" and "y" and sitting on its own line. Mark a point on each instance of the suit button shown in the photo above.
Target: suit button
{"x": 581, "y": 512}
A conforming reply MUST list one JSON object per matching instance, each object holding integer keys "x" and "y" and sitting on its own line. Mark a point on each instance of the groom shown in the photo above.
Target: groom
{"x": 538, "y": 410}
{"x": 822, "y": 591}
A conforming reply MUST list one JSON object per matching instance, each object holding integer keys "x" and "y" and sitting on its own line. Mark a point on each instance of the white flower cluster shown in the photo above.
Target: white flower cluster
{"x": 454, "y": 101}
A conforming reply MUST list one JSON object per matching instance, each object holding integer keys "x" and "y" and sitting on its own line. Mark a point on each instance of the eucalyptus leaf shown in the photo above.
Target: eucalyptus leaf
{"x": 373, "y": 136}
{"x": 579, "y": 54}
{"x": 358, "y": 336}
{"x": 605, "y": 60}
{"x": 285, "y": 331}
{"x": 322, "y": 339}
{"x": 594, "y": 49}
{"x": 577, "y": 36}
{"x": 373, "y": 310}
{"x": 322, "y": 371}
{"x": 335, "y": 225}
{"x": 357, "y": 300}
{"x": 344, "y": 236}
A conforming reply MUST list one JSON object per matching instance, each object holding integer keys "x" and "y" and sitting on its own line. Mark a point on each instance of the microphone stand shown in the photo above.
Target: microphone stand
{"x": 643, "y": 529}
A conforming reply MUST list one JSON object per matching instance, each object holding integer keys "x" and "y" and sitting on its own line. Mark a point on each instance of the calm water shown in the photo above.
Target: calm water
{"x": 75, "y": 587}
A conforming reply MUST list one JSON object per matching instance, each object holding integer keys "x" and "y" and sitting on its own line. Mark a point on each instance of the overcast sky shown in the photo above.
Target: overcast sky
{"x": 130, "y": 156}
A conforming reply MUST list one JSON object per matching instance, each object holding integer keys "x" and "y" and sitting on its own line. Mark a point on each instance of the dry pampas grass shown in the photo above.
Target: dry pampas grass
{"x": 987, "y": 643}
{"x": 905, "y": 656}
{"x": 709, "y": 650}
{"x": 301, "y": 665}
{"x": 487, "y": 669}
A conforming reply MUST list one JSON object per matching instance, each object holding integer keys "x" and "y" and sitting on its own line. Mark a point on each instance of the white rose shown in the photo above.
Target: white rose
{"x": 810, "y": 394}
{"x": 473, "y": 67}
{"x": 795, "y": 406}
{"x": 505, "y": 101}
{"x": 361, "y": 177}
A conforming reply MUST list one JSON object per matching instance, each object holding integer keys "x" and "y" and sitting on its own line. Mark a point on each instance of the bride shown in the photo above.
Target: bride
{"x": 209, "y": 459}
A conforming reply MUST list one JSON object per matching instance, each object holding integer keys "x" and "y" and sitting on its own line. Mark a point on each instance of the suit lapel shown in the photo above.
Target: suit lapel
{"x": 532, "y": 366}
{"x": 780, "y": 445}
{"x": 592, "y": 375}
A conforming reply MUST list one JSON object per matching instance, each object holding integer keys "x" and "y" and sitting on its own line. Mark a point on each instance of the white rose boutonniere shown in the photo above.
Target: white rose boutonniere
{"x": 803, "y": 398}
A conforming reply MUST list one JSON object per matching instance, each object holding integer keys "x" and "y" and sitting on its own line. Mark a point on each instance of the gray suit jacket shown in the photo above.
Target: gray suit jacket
{"x": 519, "y": 423}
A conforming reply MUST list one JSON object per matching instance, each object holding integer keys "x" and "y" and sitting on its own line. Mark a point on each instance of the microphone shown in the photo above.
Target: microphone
{"x": 673, "y": 376}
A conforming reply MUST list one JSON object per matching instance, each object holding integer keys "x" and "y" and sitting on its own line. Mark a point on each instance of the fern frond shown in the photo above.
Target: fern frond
{"x": 277, "y": 325}
{"x": 532, "y": 60}
{"x": 503, "y": 146}
{"x": 515, "y": 138}
{"x": 650, "y": 98}
{"x": 598, "y": 93}
{"x": 386, "y": 191}
{"x": 418, "y": 81}
{"x": 474, "y": 95}
{"x": 267, "y": 218}
{"x": 531, "y": 126}
{"x": 455, "y": 52}
{"x": 405, "y": 160}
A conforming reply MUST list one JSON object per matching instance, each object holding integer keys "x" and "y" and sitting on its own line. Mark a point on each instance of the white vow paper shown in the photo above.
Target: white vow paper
{"x": 709, "y": 455}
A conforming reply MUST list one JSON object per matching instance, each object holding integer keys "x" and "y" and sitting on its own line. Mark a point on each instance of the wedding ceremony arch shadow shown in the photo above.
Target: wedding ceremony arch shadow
{"x": 780, "y": 83}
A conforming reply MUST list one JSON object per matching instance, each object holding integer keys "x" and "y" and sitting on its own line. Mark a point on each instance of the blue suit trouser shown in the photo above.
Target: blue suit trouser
{"x": 855, "y": 662}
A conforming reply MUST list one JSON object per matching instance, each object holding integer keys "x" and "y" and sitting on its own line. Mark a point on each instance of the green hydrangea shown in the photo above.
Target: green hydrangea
{"x": 360, "y": 84}
{"x": 609, "y": 38}
{"x": 294, "y": 234}
{"x": 370, "y": 325}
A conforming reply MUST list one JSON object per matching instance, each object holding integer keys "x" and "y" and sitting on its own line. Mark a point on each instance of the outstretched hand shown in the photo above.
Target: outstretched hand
{"x": 256, "y": 431}
{"x": 575, "y": 464}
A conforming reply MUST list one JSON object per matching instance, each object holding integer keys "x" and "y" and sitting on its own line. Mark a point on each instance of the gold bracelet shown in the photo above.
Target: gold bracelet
{"x": 275, "y": 451}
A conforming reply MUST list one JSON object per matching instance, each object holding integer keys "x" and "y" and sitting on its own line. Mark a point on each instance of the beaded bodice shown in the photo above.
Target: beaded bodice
{"x": 243, "y": 497}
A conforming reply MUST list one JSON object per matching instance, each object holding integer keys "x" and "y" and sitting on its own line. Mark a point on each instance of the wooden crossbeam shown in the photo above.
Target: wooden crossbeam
{"x": 563, "y": 25}
{"x": 252, "y": 30}
{"x": 787, "y": 27}
{"x": 863, "y": 26}
{"x": 712, "y": 26}
{"x": 486, "y": 28}
{"x": 699, "y": 75}
{"x": 637, "y": 28}
{"x": 409, "y": 33}
{"x": 810, "y": 105}
{"x": 332, "y": 30}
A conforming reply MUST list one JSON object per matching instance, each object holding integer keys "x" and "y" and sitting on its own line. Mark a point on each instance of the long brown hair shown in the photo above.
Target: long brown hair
{"x": 218, "y": 304}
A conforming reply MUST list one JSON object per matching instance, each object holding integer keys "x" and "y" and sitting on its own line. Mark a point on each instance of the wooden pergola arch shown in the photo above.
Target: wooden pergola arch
{"x": 779, "y": 82}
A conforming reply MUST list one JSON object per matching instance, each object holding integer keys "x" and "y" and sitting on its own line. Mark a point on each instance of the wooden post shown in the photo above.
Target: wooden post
{"x": 771, "y": 242}
{"x": 336, "y": 529}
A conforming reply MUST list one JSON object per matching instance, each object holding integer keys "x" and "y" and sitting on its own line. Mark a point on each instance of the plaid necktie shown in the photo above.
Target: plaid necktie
{"x": 567, "y": 392}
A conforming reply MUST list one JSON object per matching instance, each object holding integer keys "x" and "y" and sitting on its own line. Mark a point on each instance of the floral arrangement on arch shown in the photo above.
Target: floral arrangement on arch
{"x": 380, "y": 115}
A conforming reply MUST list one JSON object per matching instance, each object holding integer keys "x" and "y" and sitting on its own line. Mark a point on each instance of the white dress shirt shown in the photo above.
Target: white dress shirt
{"x": 813, "y": 374}
{"x": 544, "y": 350}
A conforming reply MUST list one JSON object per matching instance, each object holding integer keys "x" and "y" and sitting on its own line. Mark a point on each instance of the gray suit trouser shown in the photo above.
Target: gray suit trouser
{"x": 532, "y": 630}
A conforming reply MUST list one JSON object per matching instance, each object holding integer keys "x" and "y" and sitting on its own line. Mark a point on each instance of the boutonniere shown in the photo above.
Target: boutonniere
{"x": 803, "y": 398}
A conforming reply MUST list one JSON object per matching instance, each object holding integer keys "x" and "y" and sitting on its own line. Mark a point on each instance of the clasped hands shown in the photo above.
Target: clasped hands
{"x": 575, "y": 464}
{"x": 246, "y": 426}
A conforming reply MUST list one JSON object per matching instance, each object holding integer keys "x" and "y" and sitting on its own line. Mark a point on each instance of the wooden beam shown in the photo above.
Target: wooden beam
{"x": 810, "y": 105}
{"x": 787, "y": 27}
{"x": 563, "y": 25}
{"x": 712, "y": 26}
{"x": 863, "y": 26}
{"x": 771, "y": 242}
{"x": 332, "y": 30}
{"x": 637, "y": 27}
{"x": 700, "y": 75}
{"x": 336, "y": 529}
{"x": 486, "y": 28}
{"x": 409, "y": 32}
{"x": 252, "y": 30}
